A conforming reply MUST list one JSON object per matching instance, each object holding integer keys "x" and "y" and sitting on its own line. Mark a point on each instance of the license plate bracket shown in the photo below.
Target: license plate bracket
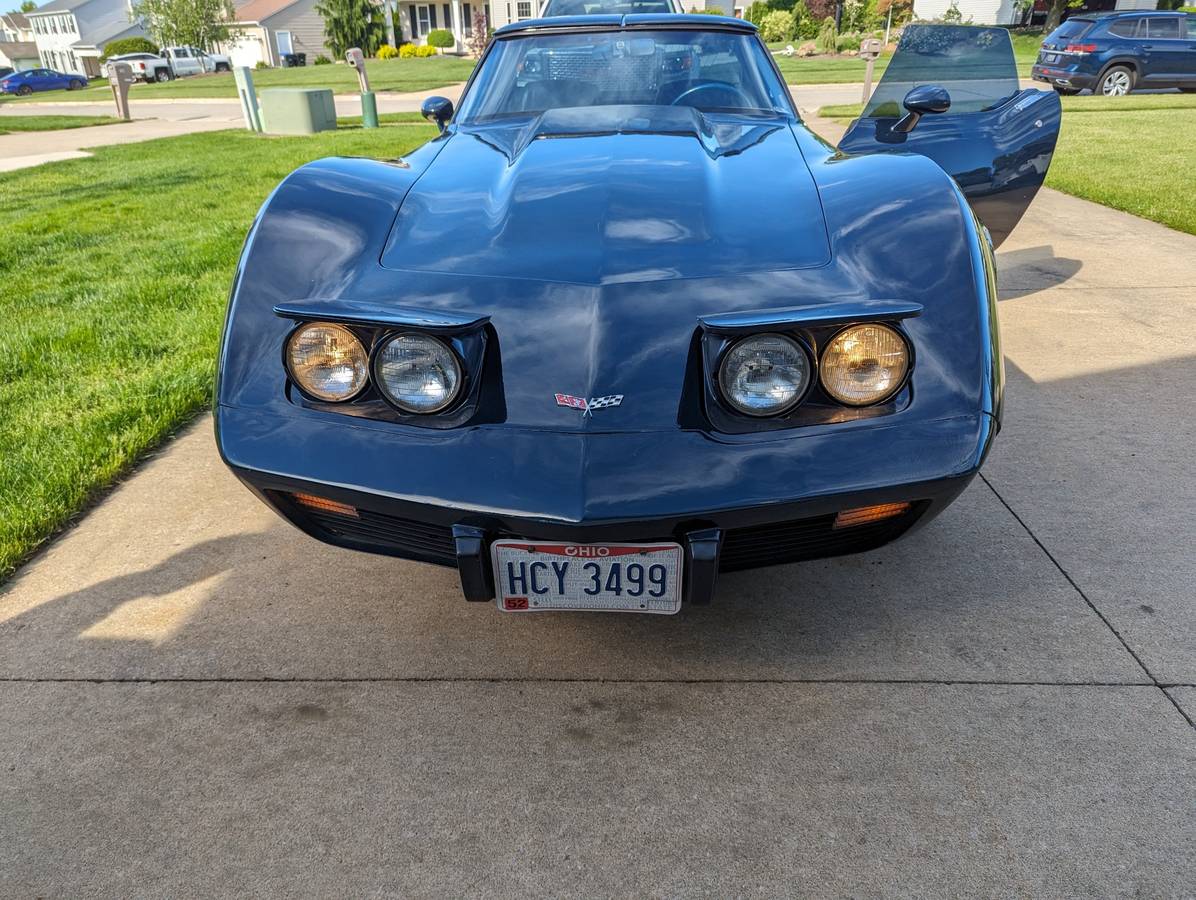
{"x": 541, "y": 576}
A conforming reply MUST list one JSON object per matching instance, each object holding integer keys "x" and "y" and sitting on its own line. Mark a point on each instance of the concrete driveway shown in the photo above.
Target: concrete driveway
{"x": 197, "y": 699}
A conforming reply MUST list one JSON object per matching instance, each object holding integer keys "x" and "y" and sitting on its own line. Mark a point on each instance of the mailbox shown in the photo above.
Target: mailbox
{"x": 120, "y": 76}
{"x": 870, "y": 49}
{"x": 356, "y": 59}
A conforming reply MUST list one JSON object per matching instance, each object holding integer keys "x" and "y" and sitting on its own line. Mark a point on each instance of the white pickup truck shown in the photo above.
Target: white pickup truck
{"x": 175, "y": 62}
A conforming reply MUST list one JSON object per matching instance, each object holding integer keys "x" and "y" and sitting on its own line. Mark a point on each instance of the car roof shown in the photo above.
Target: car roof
{"x": 638, "y": 20}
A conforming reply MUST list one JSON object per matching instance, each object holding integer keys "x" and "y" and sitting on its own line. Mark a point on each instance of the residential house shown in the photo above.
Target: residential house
{"x": 71, "y": 34}
{"x": 267, "y": 30}
{"x": 17, "y": 49}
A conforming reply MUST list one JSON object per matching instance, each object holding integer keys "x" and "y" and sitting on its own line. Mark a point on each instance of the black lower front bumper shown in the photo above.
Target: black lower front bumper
{"x": 723, "y": 541}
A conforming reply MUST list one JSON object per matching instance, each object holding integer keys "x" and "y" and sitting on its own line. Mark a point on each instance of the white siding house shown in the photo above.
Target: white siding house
{"x": 71, "y": 34}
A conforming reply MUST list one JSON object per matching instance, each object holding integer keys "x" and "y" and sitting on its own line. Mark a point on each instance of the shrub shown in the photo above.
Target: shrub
{"x": 778, "y": 26}
{"x": 406, "y": 51}
{"x": 827, "y": 35}
{"x": 321, "y": 60}
{"x": 713, "y": 11}
{"x": 480, "y": 38}
{"x": 387, "y": 52}
{"x": 806, "y": 24}
{"x": 847, "y": 42}
{"x": 128, "y": 45}
{"x": 425, "y": 51}
{"x": 261, "y": 64}
{"x": 756, "y": 12}
{"x": 441, "y": 37}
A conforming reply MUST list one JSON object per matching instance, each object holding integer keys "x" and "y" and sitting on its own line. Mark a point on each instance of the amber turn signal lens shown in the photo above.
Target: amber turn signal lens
{"x": 865, "y": 514}
{"x": 324, "y": 505}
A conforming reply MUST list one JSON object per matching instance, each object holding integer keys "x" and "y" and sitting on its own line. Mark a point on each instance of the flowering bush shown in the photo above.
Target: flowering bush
{"x": 387, "y": 52}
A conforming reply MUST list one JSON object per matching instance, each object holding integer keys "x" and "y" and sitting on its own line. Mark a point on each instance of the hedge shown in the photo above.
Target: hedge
{"x": 128, "y": 45}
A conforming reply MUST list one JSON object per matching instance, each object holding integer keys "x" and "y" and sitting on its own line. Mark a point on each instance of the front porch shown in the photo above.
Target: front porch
{"x": 417, "y": 19}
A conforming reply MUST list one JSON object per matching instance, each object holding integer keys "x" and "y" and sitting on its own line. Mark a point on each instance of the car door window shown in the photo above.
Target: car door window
{"x": 1162, "y": 28}
{"x": 1192, "y": 28}
{"x": 1125, "y": 28}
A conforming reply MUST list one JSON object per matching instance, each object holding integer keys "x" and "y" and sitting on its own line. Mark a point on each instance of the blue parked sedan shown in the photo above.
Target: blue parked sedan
{"x": 24, "y": 83}
{"x": 1117, "y": 53}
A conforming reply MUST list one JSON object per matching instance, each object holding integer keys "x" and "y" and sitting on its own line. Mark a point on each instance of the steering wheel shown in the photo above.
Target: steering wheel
{"x": 727, "y": 87}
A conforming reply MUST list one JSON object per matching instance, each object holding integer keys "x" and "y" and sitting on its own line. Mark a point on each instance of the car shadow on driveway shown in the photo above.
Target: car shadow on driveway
{"x": 968, "y": 598}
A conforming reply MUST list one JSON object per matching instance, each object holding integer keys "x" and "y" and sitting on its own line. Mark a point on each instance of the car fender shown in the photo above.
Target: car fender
{"x": 339, "y": 211}
{"x": 1130, "y": 62}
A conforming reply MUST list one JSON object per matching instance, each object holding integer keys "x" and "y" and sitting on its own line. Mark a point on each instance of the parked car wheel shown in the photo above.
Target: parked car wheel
{"x": 223, "y": 67}
{"x": 74, "y": 85}
{"x": 24, "y": 90}
{"x": 1116, "y": 82}
{"x": 1066, "y": 91}
{"x": 162, "y": 75}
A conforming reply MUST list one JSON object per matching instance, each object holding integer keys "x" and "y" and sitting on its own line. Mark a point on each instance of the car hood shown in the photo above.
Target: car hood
{"x": 613, "y": 194}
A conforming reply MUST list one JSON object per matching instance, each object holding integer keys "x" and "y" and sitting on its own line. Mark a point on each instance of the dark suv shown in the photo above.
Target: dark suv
{"x": 1114, "y": 54}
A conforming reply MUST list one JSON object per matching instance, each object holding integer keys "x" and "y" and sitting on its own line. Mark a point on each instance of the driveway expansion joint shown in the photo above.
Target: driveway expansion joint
{"x": 467, "y": 679}
{"x": 1092, "y": 606}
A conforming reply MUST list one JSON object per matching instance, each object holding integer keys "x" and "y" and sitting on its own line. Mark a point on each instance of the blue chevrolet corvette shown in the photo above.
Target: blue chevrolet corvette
{"x": 627, "y": 323}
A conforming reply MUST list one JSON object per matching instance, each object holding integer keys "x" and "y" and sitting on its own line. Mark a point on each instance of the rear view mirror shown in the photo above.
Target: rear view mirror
{"x": 925, "y": 100}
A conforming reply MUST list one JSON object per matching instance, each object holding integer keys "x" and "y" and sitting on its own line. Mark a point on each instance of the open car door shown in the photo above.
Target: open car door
{"x": 995, "y": 139}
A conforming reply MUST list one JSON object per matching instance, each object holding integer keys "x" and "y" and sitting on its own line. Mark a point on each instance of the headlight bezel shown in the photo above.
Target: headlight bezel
{"x": 899, "y": 384}
{"x": 463, "y": 387}
{"x": 798, "y": 341}
{"x": 306, "y": 390}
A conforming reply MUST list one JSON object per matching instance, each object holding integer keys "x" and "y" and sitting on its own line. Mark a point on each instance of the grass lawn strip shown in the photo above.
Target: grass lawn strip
{"x": 14, "y": 124}
{"x": 112, "y": 310}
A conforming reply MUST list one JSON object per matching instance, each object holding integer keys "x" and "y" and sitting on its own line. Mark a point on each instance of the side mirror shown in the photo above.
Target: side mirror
{"x": 438, "y": 110}
{"x": 925, "y": 100}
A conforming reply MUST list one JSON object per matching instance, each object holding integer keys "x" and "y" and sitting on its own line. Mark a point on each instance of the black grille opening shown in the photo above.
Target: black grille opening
{"x": 387, "y": 534}
{"x": 802, "y": 539}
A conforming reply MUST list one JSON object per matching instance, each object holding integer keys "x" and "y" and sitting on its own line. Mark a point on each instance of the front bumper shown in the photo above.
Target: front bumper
{"x": 442, "y": 498}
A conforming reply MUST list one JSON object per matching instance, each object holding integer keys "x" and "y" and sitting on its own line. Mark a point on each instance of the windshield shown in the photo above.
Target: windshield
{"x": 605, "y": 7}
{"x": 714, "y": 71}
{"x": 975, "y": 64}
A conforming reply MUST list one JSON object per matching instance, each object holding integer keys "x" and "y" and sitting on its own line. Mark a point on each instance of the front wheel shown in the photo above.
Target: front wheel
{"x": 1117, "y": 82}
{"x": 221, "y": 67}
{"x": 161, "y": 76}
{"x": 24, "y": 90}
{"x": 75, "y": 85}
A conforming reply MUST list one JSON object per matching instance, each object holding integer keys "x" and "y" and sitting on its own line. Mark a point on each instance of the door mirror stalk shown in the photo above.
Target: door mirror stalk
{"x": 929, "y": 99}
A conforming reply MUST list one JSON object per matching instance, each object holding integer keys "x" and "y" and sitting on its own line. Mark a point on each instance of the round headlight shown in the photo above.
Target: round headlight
{"x": 764, "y": 375}
{"x": 864, "y": 364}
{"x": 418, "y": 374}
{"x": 327, "y": 361}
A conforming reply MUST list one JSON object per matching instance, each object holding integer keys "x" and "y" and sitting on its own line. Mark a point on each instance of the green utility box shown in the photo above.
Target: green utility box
{"x": 297, "y": 110}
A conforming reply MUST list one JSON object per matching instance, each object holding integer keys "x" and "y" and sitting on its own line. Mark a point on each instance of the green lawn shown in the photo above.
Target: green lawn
{"x": 385, "y": 75}
{"x": 1123, "y": 152}
{"x": 10, "y": 124}
{"x": 850, "y": 69}
{"x": 112, "y": 310}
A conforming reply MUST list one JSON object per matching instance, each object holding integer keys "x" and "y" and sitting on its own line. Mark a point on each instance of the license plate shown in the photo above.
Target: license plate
{"x": 533, "y": 577}
{"x": 1051, "y": 58}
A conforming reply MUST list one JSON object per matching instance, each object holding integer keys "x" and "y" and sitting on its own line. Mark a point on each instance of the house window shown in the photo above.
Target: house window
{"x": 524, "y": 8}
{"x": 448, "y": 15}
{"x": 423, "y": 20}
{"x": 468, "y": 14}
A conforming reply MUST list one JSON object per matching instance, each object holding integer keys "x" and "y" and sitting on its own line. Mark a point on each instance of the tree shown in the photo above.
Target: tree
{"x": 28, "y": 6}
{"x": 822, "y": 9}
{"x": 1055, "y": 13}
{"x": 186, "y": 23}
{"x": 352, "y": 23}
{"x": 903, "y": 10}
{"x": 481, "y": 32}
